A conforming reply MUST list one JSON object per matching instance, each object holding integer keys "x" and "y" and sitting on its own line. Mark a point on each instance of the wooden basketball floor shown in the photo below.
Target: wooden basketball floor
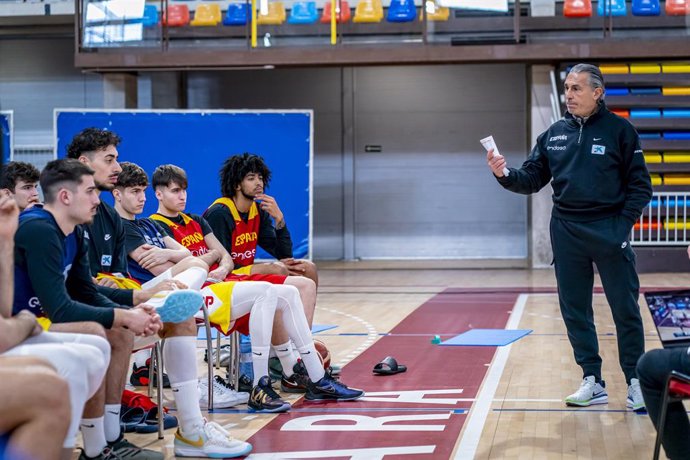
{"x": 453, "y": 402}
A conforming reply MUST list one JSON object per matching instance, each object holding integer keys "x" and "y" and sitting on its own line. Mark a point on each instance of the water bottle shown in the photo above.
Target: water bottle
{"x": 246, "y": 356}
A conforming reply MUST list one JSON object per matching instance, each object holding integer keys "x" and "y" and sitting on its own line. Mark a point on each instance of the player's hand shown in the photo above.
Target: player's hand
{"x": 219, "y": 273}
{"x": 295, "y": 267}
{"x": 9, "y": 216}
{"x": 496, "y": 163}
{"x": 30, "y": 318}
{"x": 107, "y": 282}
{"x": 269, "y": 204}
{"x": 152, "y": 257}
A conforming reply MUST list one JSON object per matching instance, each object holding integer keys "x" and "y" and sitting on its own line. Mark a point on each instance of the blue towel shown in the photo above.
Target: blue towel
{"x": 487, "y": 337}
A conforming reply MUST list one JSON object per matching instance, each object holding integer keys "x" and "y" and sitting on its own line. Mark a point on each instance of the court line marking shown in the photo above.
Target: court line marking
{"x": 474, "y": 425}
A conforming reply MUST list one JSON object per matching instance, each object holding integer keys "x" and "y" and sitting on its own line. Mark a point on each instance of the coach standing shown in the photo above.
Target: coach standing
{"x": 600, "y": 187}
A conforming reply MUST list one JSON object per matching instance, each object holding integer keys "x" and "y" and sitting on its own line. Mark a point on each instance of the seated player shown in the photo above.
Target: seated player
{"x": 194, "y": 233}
{"x": 258, "y": 298}
{"x": 21, "y": 181}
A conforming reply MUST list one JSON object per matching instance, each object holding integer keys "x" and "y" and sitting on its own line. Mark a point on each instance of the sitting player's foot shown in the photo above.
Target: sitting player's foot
{"x": 635, "y": 401}
{"x": 140, "y": 376}
{"x": 297, "y": 382}
{"x": 223, "y": 396}
{"x": 212, "y": 441}
{"x": 177, "y": 306}
{"x": 122, "y": 449}
{"x": 106, "y": 454}
{"x": 590, "y": 392}
{"x": 263, "y": 398}
{"x": 329, "y": 389}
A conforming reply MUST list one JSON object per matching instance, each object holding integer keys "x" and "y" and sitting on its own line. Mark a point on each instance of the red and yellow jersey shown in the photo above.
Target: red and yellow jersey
{"x": 190, "y": 235}
{"x": 245, "y": 236}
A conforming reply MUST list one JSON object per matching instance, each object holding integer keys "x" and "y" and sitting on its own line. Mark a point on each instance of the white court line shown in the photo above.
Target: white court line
{"x": 480, "y": 409}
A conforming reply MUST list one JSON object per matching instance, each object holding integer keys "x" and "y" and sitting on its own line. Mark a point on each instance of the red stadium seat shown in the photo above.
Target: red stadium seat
{"x": 177, "y": 16}
{"x": 577, "y": 8}
{"x": 343, "y": 16}
{"x": 677, "y": 7}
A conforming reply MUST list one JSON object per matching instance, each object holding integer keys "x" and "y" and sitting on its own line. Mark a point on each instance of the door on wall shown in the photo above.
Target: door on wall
{"x": 422, "y": 186}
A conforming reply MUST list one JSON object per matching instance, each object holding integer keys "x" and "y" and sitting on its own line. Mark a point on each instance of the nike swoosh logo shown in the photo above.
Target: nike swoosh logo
{"x": 307, "y": 352}
{"x": 114, "y": 413}
{"x": 597, "y": 138}
{"x": 88, "y": 426}
{"x": 282, "y": 350}
{"x": 176, "y": 390}
{"x": 257, "y": 354}
{"x": 198, "y": 443}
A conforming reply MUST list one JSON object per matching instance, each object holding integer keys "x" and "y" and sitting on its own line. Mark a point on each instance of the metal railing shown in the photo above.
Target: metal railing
{"x": 664, "y": 222}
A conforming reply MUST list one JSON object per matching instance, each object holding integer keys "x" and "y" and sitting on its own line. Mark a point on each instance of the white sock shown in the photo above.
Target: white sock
{"x": 287, "y": 357}
{"x": 187, "y": 400}
{"x": 259, "y": 362}
{"x": 312, "y": 362}
{"x": 112, "y": 422}
{"x": 141, "y": 356}
{"x": 93, "y": 434}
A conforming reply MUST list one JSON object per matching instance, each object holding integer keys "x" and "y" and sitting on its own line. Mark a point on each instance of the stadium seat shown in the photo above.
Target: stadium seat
{"x": 646, "y": 8}
{"x": 676, "y": 179}
{"x": 677, "y": 7}
{"x": 236, "y": 15}
{"x": 434, "y": 12}
{"x": 677, "y": 157}
{"x": 622, "y": 112}
{"x": 617, "y": 91}
{"x": 577, "y": 8}
{"x": 677, "y": 113}
{"x": 542, "y": 8}
{"x": 607, "y": 69}
{"x": 656, "y": 179}
{"x": 645, "y": 67}
{"x": 303, "y": 13}
{"x": 676, "y": 91}
{"x": 652, "y": 157}
{"x": 401, "y": 11}
{"x": 342, "y": 16}
{"x": 368, "y": 11}
{"x": 176, "y": 16}
{"x": 275, "y": 16}
{"x": 206, "y": 14}
{"x": 150, "y": 18}
{"x": 645, "y": 113}
{"x": 612, "y": 8}
{"x": 675, "y": 67}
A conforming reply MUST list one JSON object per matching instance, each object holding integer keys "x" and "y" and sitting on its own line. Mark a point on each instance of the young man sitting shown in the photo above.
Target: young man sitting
{"x": 21, "y": 181}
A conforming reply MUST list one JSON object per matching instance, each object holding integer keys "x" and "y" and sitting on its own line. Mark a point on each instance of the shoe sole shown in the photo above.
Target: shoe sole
{"x": 632, "y": 407}
{"x": 284, "y": 408}
{"x": 285, "y": 389}
{"x": 180, "y": 306}
{"x": 324, "y": 399}
{"x": 194, "y": 452}
{"x": 592, "y": 402}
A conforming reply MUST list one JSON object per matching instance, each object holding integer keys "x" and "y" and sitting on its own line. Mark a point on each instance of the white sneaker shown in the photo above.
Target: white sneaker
{"x": 590, "y": 392}
{"x": 223, "y": 397}
{"x": 635, "y": 400}
{"x": 213, "y": 441}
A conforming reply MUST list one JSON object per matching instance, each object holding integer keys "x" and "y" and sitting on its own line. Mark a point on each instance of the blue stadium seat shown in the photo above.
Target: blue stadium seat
{"x": 401, "y": 11}
{"x": 612, "y": 8}
{"x": 236, "y": 15}
{"x": 150, "y": 16}
{"x": 303, "y": 13}
{"x": 646, "y": 8}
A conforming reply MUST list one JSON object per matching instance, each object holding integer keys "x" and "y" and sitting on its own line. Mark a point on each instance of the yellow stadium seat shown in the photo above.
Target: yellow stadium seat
{"x": 656, "y": 179}
{"x": 676, "y": 225}
{"x": 207, "y": 14}
{"x": 676, "y": 91}
{"x": 676, "y": 179}
{"x": 368, "y": 11}
{"x": 675, "y": 67}
{"x": 614, "y": 68}
{"x": 677, "y": 157}
{"x": 645, "y": 67}
{"x": 434, "y": 12}
{"x": 652, "y": 157}
{"x": 276, "y": 14}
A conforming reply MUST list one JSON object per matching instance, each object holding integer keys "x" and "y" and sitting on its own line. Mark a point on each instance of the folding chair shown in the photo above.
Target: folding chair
{"x": 677, "y": 389}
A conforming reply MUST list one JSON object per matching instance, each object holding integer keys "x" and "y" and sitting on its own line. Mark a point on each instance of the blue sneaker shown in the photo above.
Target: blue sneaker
{"x": 177, "y": 306}
{"x": 329, "y": 389}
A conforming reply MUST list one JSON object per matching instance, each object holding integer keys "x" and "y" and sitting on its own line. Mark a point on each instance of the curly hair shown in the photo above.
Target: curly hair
{"x": 236, "y": 168}
{"x": 91, "y": 140}
{"x": 132, "y": 175}
{"x": 165, "y": 175}
{"x": 14, "y": 171}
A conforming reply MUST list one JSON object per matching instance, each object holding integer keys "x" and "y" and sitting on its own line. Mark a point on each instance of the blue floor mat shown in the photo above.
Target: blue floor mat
{"x": 487, "y": 337}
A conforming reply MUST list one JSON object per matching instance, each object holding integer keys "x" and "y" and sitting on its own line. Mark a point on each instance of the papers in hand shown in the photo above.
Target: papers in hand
{"x": 489, "y": 143}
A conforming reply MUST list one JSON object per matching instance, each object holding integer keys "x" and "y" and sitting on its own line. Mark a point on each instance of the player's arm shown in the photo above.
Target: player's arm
{"x": 222, "y": 225}
{"x": 225, "y": 264}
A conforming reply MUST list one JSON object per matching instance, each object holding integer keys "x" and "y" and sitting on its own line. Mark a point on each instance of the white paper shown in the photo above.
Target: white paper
{"x": 489, "y": 143}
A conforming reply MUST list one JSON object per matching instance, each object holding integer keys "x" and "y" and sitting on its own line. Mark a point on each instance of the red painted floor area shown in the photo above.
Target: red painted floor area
{"x": 359, "y": 425}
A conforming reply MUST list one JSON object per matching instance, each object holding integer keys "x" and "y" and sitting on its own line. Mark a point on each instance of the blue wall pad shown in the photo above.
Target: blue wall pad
{"x": 679, "y": 135}
{"x": 644, "y": 90}
{"x": 650, "y": 135}
{"x": 487, "y": 337}
{"x": 316, "y": 328}
{"x": 645, "y": 113}
{"x": 6, "y": 123}
{"x": 616, "y": 91}
{"x": 677, "y": 113}
{"x": 202, "y": 333}
{"x": 199, "y": 142}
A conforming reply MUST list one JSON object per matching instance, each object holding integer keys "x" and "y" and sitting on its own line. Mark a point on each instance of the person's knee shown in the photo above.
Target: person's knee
{"x": 120, "y": 339}
{"x": 646, "y": 367}
{"x": 53, "y": 393}
{"x": 193, "y": 262}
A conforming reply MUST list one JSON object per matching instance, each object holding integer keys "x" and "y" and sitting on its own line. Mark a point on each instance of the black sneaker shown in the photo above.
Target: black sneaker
{"x": 263, "y": 398}
{"x": 297, "y": 382}
{"x": 106, "y": 454}
{"x": 329, "y": 389}
{"x": 125, "y": 450}
{"x": 140, "y": 376}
